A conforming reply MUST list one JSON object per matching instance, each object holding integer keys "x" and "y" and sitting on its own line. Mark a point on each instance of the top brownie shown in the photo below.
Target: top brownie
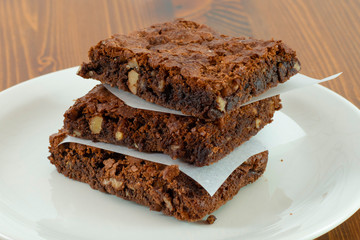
{"x": 189, "y": 67}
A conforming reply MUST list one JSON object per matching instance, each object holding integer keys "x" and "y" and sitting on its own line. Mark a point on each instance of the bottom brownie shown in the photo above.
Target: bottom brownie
{"x": 160, "y": 187}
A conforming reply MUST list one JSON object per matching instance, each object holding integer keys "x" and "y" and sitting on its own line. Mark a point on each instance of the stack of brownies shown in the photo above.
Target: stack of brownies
{"x": 184, "y": 66}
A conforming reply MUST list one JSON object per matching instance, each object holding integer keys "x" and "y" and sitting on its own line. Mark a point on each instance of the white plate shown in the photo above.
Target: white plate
{"x": 310, "y": 186}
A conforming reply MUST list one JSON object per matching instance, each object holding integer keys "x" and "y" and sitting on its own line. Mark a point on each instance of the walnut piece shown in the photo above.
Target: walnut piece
{"x": 95, "y": 124}
{"x": 254, "y": 110}
{"x": 174, "y": 147}
{"x": 119, "y": 136}
{"x": 257, "y": 122}
{"x": 132, "y": 64}
{"x": 114, "y": 183}
{"x": 77, "y": 133}
{"x": 168, "y": 203}
{"x": 161, "y": 85}
{"x": 127, "y": 194}
{"x": 272, "y": 105}
{"x": 221, "y": 103}
{"x": 134, "y": 168}
{"x": 133, "y": 78}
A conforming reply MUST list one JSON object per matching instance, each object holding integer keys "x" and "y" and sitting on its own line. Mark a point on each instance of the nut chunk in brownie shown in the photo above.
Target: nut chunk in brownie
{"x": 101, "y": 116}
{"x": 159, "y": 187}
{"x": 189, "y": 67}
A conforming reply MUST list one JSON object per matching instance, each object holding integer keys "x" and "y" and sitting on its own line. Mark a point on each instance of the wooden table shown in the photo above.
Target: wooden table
{"x": 39, "y": 36}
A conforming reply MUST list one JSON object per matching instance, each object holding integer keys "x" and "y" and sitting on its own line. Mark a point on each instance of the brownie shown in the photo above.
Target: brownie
{"x": 101, "y": 116}
{"x": 159, "y": 187}
{"x": 189, "y": 67}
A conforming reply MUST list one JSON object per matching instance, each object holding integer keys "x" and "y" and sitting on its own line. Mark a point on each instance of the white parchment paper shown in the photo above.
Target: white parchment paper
{"x": 282, "y": 130}
{"x": 296, "y": 81}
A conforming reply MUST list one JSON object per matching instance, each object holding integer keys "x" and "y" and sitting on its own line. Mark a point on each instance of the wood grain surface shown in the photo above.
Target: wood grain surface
{"x": 42, "y": 36}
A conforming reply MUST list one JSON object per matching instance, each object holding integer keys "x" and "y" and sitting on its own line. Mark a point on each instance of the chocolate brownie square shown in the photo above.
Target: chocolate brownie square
{"x": 101, "y": 116}
{"x": 159, "y": 187}
{"x": 189, "y": 67}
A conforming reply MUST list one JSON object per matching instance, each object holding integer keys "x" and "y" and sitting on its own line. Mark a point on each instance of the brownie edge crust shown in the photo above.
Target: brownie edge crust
{"x": 189, "y": 67}
{"x": 159, "y": 187}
